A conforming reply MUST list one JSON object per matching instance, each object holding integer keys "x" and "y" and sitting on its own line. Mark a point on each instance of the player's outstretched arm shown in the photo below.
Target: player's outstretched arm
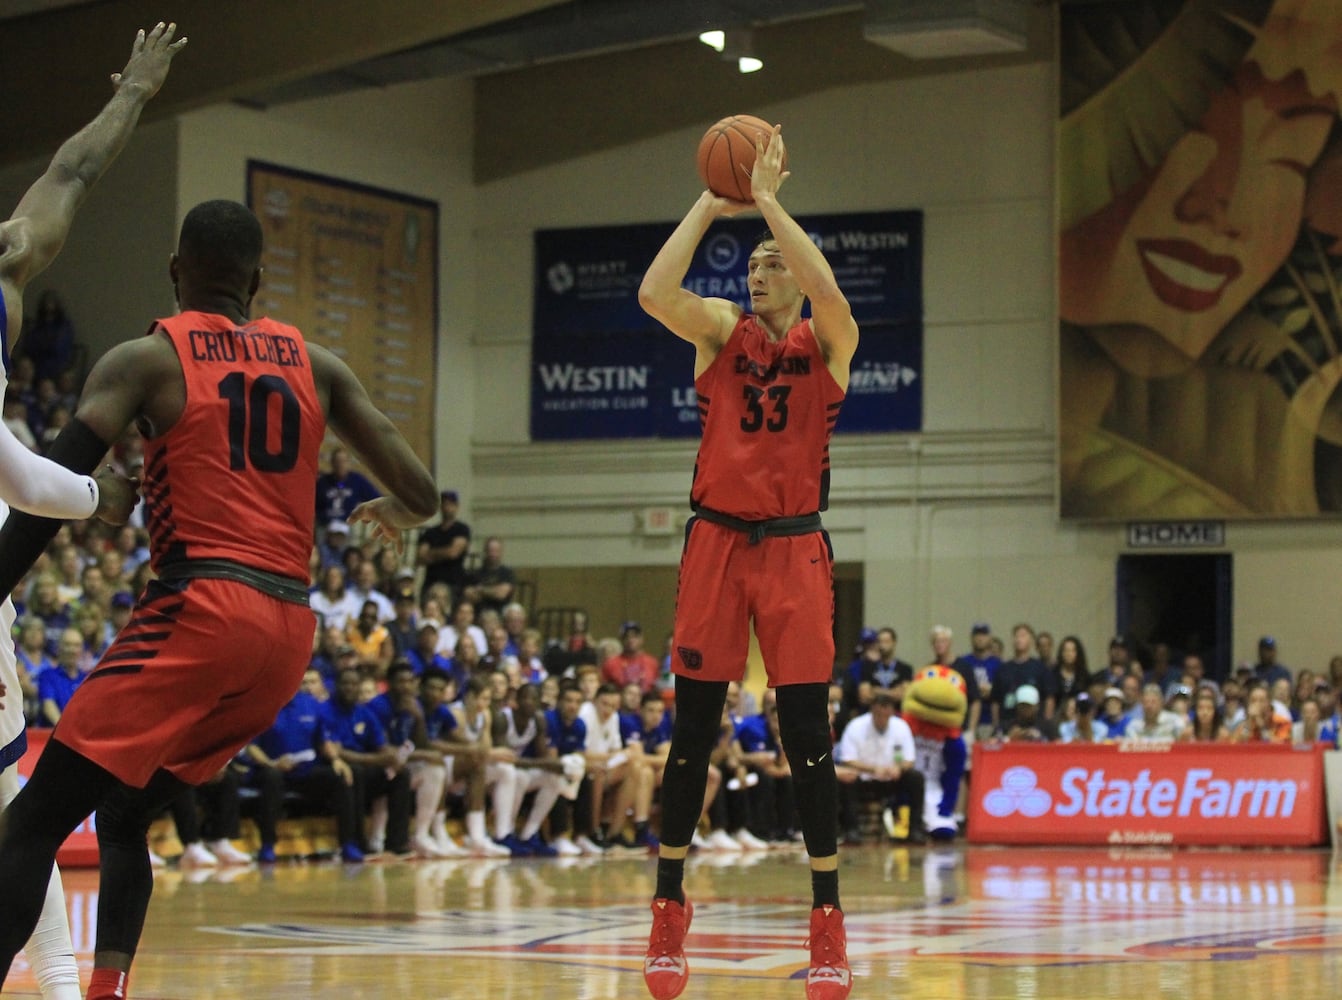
{"x": 706, "y": 323}
{"x": 831, "y": 316}
{"x": 42, "y": 220}
{"x": 413, "y": 496}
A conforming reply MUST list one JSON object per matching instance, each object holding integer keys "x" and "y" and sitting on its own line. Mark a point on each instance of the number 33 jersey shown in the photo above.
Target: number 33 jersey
{"x": 235, "y": 477}
{"x": 767, "y": 409}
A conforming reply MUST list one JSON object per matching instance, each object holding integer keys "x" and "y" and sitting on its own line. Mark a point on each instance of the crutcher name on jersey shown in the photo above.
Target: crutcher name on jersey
{"x": 229, "y": 346}
{"x": 745, "y": 365}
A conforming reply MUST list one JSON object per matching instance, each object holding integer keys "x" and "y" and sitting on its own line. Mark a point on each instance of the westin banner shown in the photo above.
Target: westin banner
{"x": 602, "y": 368}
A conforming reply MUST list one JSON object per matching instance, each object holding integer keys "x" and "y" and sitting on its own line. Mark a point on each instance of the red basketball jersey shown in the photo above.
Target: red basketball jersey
{"x": 767, "y": 410}
{"x": 235, "y": 477}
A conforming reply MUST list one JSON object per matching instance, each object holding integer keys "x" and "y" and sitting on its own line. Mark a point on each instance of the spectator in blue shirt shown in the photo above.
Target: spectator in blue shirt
{"x": 342, "y": 489}
{"x": 376, "y": 766}
{"x": 294, "y": 756}
{"x": 55, "y": 687}
{"x": 772, "y": 803}
{"x": 567, "y": 733}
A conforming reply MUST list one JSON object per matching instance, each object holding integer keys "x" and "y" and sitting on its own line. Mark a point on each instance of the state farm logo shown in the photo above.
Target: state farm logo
{"x": 1195, "y": 792}
{"x": 1019, "y": 793}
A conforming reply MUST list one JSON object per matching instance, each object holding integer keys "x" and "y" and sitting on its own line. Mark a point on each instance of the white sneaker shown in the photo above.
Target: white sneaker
{"x": 156, "y": 862}
{"x": 721, "y": 840}
{"x": 424, "y": 846}
{"x": 749, "y": 841}
{"x": 197, "y": 856}
{"x": 566, "y": 847}
{"x": 449, "y": 848}
{"x": 228, "y": 854}
{"x": 376, "y": 845}
{"x": 697, "y": 840}
{"x": 487, "y": 849}
{"x": 588, "y": 846}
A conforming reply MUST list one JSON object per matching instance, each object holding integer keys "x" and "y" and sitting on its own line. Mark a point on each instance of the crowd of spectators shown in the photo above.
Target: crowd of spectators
{"x": 436, "y": 721}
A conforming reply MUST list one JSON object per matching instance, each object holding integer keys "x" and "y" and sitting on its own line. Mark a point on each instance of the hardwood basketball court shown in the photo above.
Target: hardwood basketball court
{"x": 935, "y": 924}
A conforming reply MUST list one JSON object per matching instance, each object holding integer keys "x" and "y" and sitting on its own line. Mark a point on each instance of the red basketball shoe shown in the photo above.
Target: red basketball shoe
{"x": 665, "y": 969}
{"x": 829, "y": 978}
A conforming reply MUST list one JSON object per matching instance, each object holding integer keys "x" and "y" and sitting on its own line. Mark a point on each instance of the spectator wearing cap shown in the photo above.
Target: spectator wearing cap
{"x": 1028, "y": 723}
{"x": 330, "y": 599}
{"x": 1084, "y": 727}
{"x": 1267, "y": 669}
{"x": 443, "y": 546}
{"x": 1120, "y": 657}
{"x": 424, "y": 654}
{"x": 119, "y": 610}
{"x": 1113, "y": 714}
{"x": 335, "y": 541}
{"x": 1155, "y": 724}
{"x": 404, "y": 622}
{"x": 632, "y": 664}
{"x": 980, "y": 663}
{"x": 866, "y": 654}
{"x": 1022, "y": 669}
{"x": 342, "y": 489}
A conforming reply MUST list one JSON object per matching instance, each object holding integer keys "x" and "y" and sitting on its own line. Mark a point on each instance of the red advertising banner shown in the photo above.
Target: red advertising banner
{"x": 80, "y": 849}
{"x": 1146, "y": 793}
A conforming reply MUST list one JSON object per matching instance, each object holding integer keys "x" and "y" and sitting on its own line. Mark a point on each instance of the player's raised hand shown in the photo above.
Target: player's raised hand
{"x": 769, "y": 174}
{"x": 150, "y": 56}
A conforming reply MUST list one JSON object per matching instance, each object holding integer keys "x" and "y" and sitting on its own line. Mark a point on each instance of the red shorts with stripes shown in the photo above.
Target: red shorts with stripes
{"x": 201, "y": 669}
{"x": 785, "y": 583}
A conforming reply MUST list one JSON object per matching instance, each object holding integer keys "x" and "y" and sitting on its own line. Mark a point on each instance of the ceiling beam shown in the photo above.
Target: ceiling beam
{"x": 54, "y": 76}
{"x": 546, "y": 114}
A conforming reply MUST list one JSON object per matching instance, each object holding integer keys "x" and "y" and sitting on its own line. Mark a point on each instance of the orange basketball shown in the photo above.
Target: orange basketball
{"x": 727, "y": 155}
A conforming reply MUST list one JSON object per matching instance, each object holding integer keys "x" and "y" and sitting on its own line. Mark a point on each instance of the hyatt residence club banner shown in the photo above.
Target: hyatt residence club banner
{"x": 356, "y": 269}
{"x": 1200, "y": 271}
{"x": 602, "y": 368}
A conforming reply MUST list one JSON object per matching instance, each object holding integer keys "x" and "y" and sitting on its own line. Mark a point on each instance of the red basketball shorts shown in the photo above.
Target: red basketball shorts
{"x": 786, "y": 584}
{"x": 201, "y": 669}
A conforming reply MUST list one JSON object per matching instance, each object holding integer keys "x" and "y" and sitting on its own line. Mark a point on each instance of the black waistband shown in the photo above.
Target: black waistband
{"x": 282, "y": 587}
{"x": 805, "y": 524}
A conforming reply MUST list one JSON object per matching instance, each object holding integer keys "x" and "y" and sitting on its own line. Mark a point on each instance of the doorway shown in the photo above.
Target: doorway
{"x": 1183, "y": 601}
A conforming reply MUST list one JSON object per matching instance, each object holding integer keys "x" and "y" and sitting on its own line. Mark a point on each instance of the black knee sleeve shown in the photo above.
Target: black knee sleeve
{"x": 803, "y": 723}
{"x": 695, "y": 733}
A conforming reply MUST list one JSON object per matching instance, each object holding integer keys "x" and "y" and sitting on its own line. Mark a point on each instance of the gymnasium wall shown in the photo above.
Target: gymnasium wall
{"x": 952, "y": 525}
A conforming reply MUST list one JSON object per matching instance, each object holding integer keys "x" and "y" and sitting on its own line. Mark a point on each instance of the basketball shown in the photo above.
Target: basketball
{"x": 727, "y": 155}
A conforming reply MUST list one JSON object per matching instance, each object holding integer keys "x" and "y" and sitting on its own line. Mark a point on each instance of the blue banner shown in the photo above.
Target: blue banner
{"x": 602, "y": 368}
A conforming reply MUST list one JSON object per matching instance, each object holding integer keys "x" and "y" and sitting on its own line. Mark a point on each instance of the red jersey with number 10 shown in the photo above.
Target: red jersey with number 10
{"x": 767, "y": 409}
{"x": 235, "y": 477}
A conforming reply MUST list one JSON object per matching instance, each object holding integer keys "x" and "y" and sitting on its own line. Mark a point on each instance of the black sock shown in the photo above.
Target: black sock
{"x": 671, "y": 879}
{"x": 825, "y": 889}
{"x": 640, "y": 827}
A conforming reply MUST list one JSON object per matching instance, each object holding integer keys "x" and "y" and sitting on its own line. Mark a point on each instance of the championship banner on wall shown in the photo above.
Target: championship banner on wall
{"x": 1200, "y": 270}
{"x": 1125, "y": 794}
{"x": 80, "y": 849}
{"x": 356, "y": 269}
{"x": 603, "y": 368}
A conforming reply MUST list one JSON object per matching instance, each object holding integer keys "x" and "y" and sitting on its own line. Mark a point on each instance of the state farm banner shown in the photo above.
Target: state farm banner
{"x": 602, "y": 368}
{"x": 1146, "y": 793}
{"x": 80, "y": 849}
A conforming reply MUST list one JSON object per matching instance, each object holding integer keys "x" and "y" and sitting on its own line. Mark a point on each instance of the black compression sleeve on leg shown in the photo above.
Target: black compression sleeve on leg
{"x": 126, "y": 879}
{"x": 698, "y": 718}
{"x": 24, "y": 536}
{"x": 803, "y": 722}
